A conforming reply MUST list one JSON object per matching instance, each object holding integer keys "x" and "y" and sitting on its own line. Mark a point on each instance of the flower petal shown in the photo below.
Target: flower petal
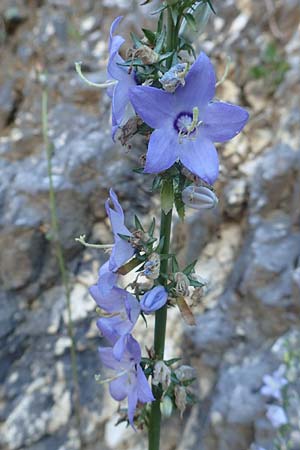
{"x": 111, "y": 335}
{"x": 134, "y": 349}
{"x": 201, "y": 158}
{"x": 120, "y": 100}
{"x": 133, "y": 308}
{"x": 200, "y": 85}
{"x": 113, "y": 28}
{"x": 120, "y": 347}
{"x": 118, "y": 388}
{"x": 121, "y": 253}
{"x": 132, "y": 402}
{"x": 162, "y": 151}
{"x": 223, "y": 121}
{"x": 107, "y": 279}
{"x": 108, "y": 359}
{"x": 153, "y": 105}
{"x": 144, "y": 391}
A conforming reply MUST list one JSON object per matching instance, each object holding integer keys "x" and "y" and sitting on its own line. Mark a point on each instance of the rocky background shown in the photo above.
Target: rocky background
{"x": 249, "y": 251}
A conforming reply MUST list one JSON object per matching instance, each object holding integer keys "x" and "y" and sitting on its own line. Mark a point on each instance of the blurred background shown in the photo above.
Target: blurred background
{"x": 248, "y": 250}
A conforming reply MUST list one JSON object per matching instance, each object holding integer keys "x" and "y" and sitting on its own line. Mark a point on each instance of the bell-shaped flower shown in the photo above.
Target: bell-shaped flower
{"x": 154, "y": 299}
{"x": 124, "y": 78}
{"x": 123, "y": 310}
{"x": 122, "y": 250}
{"x": 187, "y": 122}
{"x": 129, "y": 380}
{"x": 199, "y": 197}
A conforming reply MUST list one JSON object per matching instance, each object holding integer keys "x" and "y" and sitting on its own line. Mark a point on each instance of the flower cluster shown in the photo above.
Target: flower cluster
{"x": 120, "y": 311}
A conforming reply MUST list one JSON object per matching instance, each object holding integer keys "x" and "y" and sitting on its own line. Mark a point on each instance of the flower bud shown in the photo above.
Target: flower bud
{"x": 154, "y": 299}
{"x": 185, "y": 372}
{"x": 152, "y": 266}
{"x": 161, "y": 374}
{"x": 174, "y": 77}
{"x": 166, "y": 406}
{"x": 145, "y": 53}
{"x": 182, "y": 284}
{"x": 199, "y": 197}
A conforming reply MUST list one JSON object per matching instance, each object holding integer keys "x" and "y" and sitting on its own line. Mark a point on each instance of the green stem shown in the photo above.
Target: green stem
{"x": 170, "y": 36}
{"x": 160, "y": 335}
{"x": 61, "y": 261}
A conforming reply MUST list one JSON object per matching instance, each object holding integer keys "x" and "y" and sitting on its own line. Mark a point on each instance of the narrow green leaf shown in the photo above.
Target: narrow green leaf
{"x": 160, "y": 22}
{"x": 179, "y": 204}
{"x": 152, "y": 227}
{"x": 160, "y": 40}
{"x": 191, "y": 21}
{"x": 138, "y": 224}
{"x": 165, "y": 56}
{"x": 136, "y": 41}
{"x": 124, "y": 237}
{"x": 211, "y": 6}
{"x": 167, "y": 195}
{"x": 159, "y": 10}
{"x": 149, "y": 35}
{"x": 189, "y": 269}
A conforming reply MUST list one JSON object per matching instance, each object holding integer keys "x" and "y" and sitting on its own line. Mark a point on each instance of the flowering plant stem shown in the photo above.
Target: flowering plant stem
{"x": 61, "y": 262}
{"x": 160, "y": 333}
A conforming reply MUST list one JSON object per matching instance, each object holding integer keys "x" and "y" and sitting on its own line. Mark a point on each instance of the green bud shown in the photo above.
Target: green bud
{"x": 166, "y": 406}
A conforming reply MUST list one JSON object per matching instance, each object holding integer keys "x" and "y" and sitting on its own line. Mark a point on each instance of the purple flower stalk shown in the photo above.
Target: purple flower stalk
{"x": 125, "y": 80}
{"x": 122, "y": 250}
{"x": 130, "y": 380}
{"x": 154, "y": 299}
{"x": 187, "y": 122}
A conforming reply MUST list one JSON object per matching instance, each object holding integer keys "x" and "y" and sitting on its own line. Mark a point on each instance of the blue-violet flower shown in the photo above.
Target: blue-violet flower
{"x": 123, "y": 310}
{"x": 125, "y": 80}
{"x": 187, "y": 122}
{"x": 130, "y": 380}
{"x": 154, "y": 299}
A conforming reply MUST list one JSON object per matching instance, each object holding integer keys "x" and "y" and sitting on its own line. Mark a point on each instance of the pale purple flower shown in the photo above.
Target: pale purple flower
{"x": 130, "y": 380}
{"x": 124, "y": 311}
{"x": 154, "y": 299}
{"x": 276, "y": 415}
{"x": 274, "y": 383}
{"x": 187, "y": 122}
{"x": 122, "y": 251}
{"x": 107, "y": 279}
{"x": 125, "y": 80}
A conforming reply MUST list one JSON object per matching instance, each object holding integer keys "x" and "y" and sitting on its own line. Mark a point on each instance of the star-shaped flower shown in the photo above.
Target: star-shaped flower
{"x": 187, "y": 122}
{"x": 130, "y": 380}
{"x": 125, "y": 80}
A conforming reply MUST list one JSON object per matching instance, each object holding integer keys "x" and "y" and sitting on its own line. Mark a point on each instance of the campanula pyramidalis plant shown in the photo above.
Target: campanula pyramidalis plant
{"x": 171, "y": 94}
